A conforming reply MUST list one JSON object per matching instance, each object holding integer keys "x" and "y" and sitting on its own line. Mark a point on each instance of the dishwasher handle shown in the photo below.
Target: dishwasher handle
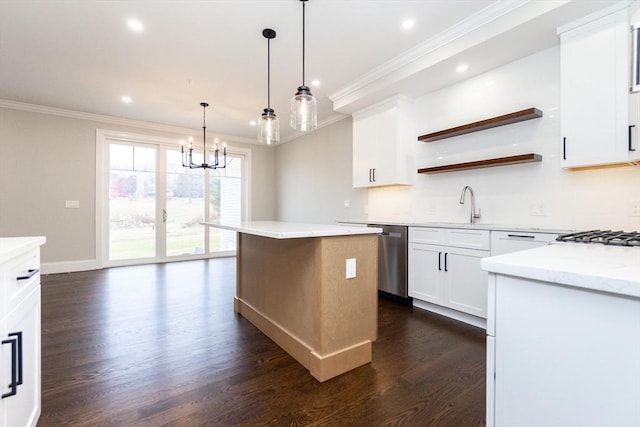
{"x": 391, "y": 234}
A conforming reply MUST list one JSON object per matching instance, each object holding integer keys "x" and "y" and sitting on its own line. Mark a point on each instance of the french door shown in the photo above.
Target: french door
{"x": 152, "y": 207}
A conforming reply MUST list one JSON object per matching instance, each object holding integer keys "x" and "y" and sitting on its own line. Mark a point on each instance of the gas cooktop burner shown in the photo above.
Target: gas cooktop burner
{"x": 606, "y": 237}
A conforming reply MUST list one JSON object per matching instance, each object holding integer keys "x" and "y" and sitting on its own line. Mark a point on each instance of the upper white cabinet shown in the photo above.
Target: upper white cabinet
{"x": 595, "y": 77}
{"x": 382, "y": 145}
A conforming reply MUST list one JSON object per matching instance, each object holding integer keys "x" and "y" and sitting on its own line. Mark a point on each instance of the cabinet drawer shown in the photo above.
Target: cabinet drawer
{"x": 503, "y": 242}
{"x": 18, "y": 277}
{"x": 472, "y": 239}
{"x": 428, "y": 235}
{"x": 455, "y": 237}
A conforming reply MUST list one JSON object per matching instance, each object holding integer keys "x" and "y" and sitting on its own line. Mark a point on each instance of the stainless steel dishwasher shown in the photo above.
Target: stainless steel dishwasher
{"x": 392, "y": 261}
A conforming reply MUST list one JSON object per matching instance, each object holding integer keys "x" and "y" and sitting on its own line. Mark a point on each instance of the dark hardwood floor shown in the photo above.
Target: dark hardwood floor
{"x": 160, "y": 344}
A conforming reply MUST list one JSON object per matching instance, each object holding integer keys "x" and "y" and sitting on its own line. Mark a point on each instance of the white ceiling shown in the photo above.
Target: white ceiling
{"x": 80, "y": 55}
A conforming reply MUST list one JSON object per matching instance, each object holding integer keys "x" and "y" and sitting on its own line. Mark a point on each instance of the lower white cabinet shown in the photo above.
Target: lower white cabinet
{"x": 20, "y": 383}
{"x": 561, "y": 356}
{"x": 447, "y": 275}
{"x": 21, "y": 363}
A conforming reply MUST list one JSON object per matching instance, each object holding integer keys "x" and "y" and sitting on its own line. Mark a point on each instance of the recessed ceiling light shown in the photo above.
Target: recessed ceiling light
{"x": 126, "y": 99}
{"x": 462, "y": 68}
{"x": 135, "y": 25}
{"x": 408, "y": 24}
{"x": 315, "y": 83}
{"x": 252, "y": 123}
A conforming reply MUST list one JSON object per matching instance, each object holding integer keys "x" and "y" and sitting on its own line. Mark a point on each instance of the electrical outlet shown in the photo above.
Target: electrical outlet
{"x": 351, "y": 268}
{"x": 347, "y": 203}
{"x": 633, "y": 207}
{"x": 537, "y": 209}
{"x": 72, "y": 204}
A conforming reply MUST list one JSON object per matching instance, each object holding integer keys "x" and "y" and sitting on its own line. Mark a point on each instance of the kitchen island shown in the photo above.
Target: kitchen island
{"x": 291, "y": 284}
{"x": 563, "y": 330}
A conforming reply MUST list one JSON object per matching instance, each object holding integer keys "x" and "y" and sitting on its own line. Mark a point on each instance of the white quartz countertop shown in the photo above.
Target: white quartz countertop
{"x": 466, "y": 225}
{"x": 293, "y": 230}
{"x": 606, "y": 268}
{"x": 13, "y": 246}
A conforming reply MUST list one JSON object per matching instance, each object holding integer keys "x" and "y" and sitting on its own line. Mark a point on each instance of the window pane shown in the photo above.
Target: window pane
{"x": 185, "y": 206}
{"x": 132, "y": 202}
{"x": 225, "y": 204}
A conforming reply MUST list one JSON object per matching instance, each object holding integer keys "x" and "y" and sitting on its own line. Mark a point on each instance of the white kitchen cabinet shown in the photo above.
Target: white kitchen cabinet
{"x": 448, "y": 273}
{"x": 561, "y": 356}
{"x": 20, "y": 383}
{"x": 599, "y": 119}
{"x": 382, "y": 145}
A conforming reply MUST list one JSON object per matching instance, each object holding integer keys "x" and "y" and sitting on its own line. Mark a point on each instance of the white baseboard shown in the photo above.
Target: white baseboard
{"x": 478, "y": 322}
{"x": 68, "y": 266}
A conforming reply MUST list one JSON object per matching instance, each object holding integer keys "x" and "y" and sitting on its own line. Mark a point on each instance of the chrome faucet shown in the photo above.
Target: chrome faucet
{"x": 474, "y": 215}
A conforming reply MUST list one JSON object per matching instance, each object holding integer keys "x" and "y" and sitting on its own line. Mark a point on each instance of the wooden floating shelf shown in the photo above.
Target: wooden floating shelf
{"x": 518, "y": 116}
{"x": 499, "y": 161}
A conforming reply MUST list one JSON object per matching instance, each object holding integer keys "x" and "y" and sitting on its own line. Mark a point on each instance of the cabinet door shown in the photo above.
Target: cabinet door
{"x": 23, "y": 408}
{"x": 594, "y": 83}
{"x": 425, "y": 273}
{"x": 381, "y": 146}
{"x": 364, "y": 146}
{"x": 466, "y": 282}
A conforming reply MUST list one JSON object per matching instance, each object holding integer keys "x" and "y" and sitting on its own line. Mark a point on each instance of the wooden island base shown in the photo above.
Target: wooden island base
{"x": 295, "y": 292}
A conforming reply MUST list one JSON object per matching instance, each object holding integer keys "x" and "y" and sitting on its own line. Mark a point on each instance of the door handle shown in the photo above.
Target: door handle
{"x": 564, "y": 148}
{"x": 373, "y": 174}
{"x": 630, "y": 139}
{"x": 439, "y": 263}
{"x": 164, "y": 215}
{"x": 445, "y": 261}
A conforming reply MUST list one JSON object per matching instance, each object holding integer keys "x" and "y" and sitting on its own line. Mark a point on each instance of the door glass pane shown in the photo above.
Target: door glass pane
{"x": 185, "y": 206}
{"x": 225, "y": 203}
{"x": 132, "y": 202}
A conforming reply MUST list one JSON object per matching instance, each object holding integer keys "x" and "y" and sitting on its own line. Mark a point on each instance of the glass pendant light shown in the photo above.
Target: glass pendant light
{"x": 269, "y": 124}
{"x": 304, "y": 108}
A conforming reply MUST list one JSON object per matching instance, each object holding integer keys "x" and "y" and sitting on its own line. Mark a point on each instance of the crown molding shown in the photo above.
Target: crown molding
{"x": 463, "y": 28}
{"x": 34, "y": 108}
{"x": 333, "y": 118}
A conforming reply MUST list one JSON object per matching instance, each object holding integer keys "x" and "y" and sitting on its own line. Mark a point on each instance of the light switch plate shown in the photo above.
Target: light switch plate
{"x": 351, "y": 268}
{"x": 72, "y": 204}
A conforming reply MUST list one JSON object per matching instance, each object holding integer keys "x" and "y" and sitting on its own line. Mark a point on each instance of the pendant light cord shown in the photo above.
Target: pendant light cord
{"x": 303, "y": 41}
{"x": 268, "y": 73}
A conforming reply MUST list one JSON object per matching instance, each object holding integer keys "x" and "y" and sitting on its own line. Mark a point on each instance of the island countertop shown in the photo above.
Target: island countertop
{"x": 605, "y": 268}
{"x": 293, "y": 230}
{"x": 11, "y": 246}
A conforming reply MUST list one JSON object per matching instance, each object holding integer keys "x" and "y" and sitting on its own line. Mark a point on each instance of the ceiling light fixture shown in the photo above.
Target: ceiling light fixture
{"x": 135, "y": 25}
{"x": 408, "y": 24}
{"x": 304, "y": 107}
{"x": 187, "y": 158}
{"x": 269, "y": 124}
{"x": 462, "y": 68}
{"x": 126, "y": 99}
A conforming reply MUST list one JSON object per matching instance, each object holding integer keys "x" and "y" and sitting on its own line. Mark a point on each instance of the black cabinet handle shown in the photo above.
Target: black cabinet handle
{"x": 374, "y": 174}
{"x": 369, "y": 175}
{"x": 630, "y": 134}
{"x": 32, "y": 272}
{"x": 439, "y": 264}
{"x": 16, "y": 363}
{"x": 564, "y": 148}
{"x": 445, "y": 261}
{"x": 521, "y": 236}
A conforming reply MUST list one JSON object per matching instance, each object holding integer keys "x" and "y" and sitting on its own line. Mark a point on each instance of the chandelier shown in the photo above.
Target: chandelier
{"x": 187, "y": 156}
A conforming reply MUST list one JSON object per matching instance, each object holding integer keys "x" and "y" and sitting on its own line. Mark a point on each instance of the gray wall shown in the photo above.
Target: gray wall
{"x": 314, "y": 177}
{"x": 47, "y": 159}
